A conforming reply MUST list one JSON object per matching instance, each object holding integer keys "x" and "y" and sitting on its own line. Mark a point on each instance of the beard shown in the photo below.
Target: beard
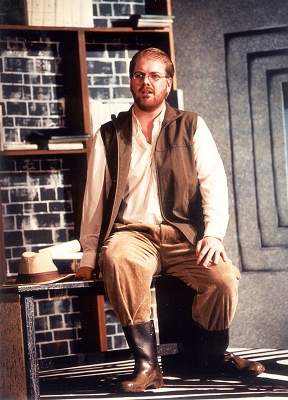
{"x": 146, "y": 99}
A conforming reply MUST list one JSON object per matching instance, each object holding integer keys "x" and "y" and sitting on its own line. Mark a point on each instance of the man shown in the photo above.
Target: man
{"x": 156, "y": 201}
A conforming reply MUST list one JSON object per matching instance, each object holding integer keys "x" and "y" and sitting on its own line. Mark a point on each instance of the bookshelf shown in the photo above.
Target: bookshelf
{"x": 67, "y": 57}
{"x": 74, "y": 45}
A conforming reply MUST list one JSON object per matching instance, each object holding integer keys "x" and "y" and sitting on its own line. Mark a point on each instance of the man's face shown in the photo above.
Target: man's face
{"x": 150, "y": 94}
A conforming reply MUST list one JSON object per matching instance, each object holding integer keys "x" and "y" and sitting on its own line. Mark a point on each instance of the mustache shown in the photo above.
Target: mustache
{"x": 146, "y": 88}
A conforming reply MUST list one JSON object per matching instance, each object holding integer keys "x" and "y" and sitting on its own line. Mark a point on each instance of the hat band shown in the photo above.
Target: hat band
{"x": 43, "y": 277}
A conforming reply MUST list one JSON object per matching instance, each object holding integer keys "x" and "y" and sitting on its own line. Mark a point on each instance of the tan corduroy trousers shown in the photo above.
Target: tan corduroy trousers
{"x": 134, "y": 253}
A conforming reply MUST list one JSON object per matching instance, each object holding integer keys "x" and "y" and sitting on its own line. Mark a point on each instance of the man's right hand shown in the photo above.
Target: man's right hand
{"x": 84, "y": 273}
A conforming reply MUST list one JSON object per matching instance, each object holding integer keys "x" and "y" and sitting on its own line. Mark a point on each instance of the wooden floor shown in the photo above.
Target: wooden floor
{"x": 99, "y": 381}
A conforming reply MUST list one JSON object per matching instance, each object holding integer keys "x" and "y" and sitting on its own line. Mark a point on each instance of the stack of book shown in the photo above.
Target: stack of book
{"x": 57, "y": 139}
{"x": 151, "y": 21}
{"x": 66, "y": 142}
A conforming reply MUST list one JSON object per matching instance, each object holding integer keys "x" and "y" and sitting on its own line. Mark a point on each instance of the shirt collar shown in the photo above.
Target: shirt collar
{"x": 157, "y": 123}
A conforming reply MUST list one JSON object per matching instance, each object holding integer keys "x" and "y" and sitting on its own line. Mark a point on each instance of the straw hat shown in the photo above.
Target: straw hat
{"x": 39, "y": 268}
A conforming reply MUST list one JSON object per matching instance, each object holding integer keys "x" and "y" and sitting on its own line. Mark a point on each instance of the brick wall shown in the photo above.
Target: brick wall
{"x": 36, "y": 192}
{"x": 105, "y": 12}
{"x": 31, "y": 84}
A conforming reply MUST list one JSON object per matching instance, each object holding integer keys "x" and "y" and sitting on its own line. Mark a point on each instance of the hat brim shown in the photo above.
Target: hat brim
{"x": 43, "y": 277}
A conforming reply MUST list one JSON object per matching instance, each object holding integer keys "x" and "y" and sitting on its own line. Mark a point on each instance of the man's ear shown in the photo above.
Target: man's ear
{"x": 169, "y": 87}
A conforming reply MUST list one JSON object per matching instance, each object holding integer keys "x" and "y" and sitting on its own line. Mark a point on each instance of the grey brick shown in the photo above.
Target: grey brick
{"x": 44, "y": 66}
{"x": 28, "y": 164}
{"x": 13, "y": 266}
{"x": 11, "y": 78}
{"x": 7, "y": 121}
{"x": 9, "y": 223}
{"x": 72, "y": 320}
{"x": 56, "y": 321}
{"x": 8, "y": 253}
{"x": 116, "y": 51}
{"x": 55, "y": 79}
{"x": 35, "y": 207}
{"x": 121, "y": 92}
{"x": 121, "y": 67}
{"x": 11, "y": 134}
{"x": 60, "y": 235}
{"x": 18, "y": 64}
{"x": 104, "y": 80}
{"x": 59, "y": 206}
{"x": 13, "y": 238}
{"x": 119, "y": 342}
{"x": 65, "y": 334}
{"x": 56, "y": 109}
{"x": 33, "y": 122}
{"x": 110, "y": 329}
{"x": 63, "y": 305}
{"x": 4, "y": 196}
{"x": 47, "y": 194}
{"x": 17, "y": 108}
{"x": 18, "y": 251}
{"x": 54, "y": 349}
{"x": 51, "y": 164}
{"x": 42, "y": 93}
{"x": 99, "y": 93}
{"x": 23, "y": 194}
{"x": 38, "y": 178}
{"x": 41, "y": 49}
{"x": 38, "y": 236}
{"x": 38, "y": 108}
{"x": 99, "y": 67}
{"x": 110, "y": 316}
{"x": 121, "y": 9}
{"x": 47, "y": 220}
{"x": 43, "y": 337}
{"x": 69, "y": 219}
{"x": 41, "y": 323}
{"x": 32, "y": 79}
{"x": 46, "y": 307}
{"x": 17, "y": 92}
{"x": 105, "y": 9}
{"x": 64, "y": 193}
{"x": 23, "y": 221}
{"x": 57, "y": 92}
{"x": 14, "y": 208}
{"x": 95, "y": 50}
{"x": 13, "y": 179}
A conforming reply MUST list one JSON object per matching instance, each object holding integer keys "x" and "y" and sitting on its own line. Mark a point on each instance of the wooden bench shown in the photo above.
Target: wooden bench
{"x": 19, "y": 366}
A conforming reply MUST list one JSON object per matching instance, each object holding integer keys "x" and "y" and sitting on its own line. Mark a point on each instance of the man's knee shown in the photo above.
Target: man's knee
{"x": 225, "y": 277}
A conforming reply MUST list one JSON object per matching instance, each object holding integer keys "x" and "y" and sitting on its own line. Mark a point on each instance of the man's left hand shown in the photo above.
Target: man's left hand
{"x": 209, "y": 250}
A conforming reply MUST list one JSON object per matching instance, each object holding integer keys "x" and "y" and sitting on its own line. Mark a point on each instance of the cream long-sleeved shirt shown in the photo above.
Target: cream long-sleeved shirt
{"x": 141, "y": 202}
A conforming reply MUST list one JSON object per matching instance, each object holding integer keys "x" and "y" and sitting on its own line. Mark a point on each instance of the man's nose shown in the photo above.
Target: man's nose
{"x": 146, "y": 79}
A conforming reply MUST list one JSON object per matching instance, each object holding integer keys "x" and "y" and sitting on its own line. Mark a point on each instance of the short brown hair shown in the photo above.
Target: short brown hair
{"x": 155, "y": 53}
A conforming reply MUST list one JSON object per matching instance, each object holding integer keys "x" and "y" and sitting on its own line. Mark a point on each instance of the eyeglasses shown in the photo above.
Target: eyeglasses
{"x": 152, "y": 76}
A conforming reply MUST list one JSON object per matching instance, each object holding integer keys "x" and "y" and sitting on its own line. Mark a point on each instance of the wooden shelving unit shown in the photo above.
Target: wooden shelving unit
{"x": 76, "y": 90}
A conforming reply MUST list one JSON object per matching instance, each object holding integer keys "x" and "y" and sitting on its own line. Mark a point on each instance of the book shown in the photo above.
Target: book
{"x": 71, "y": 246}
{"x": 68, "y": 139}
{"x": 148, "y": 20}
{"x": 65, "y": 146}
{"x": 19, "y": 146}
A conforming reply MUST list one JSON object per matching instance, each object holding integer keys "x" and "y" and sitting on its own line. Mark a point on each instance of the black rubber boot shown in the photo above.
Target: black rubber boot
{"x": 206, "y": 349}
{"x": 141, "y": 339}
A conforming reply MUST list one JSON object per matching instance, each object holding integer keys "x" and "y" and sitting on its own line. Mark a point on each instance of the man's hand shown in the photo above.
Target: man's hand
{"x": 84, "y": 273}
{"x": 209, "y": 250}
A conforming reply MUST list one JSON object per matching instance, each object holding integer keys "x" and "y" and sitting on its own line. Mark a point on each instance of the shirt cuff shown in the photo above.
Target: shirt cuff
{"x": 88, "y": 259}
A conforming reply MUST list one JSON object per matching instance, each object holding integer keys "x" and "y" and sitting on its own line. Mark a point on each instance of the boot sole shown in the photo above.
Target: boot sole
{"x": 153, "y": 385}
